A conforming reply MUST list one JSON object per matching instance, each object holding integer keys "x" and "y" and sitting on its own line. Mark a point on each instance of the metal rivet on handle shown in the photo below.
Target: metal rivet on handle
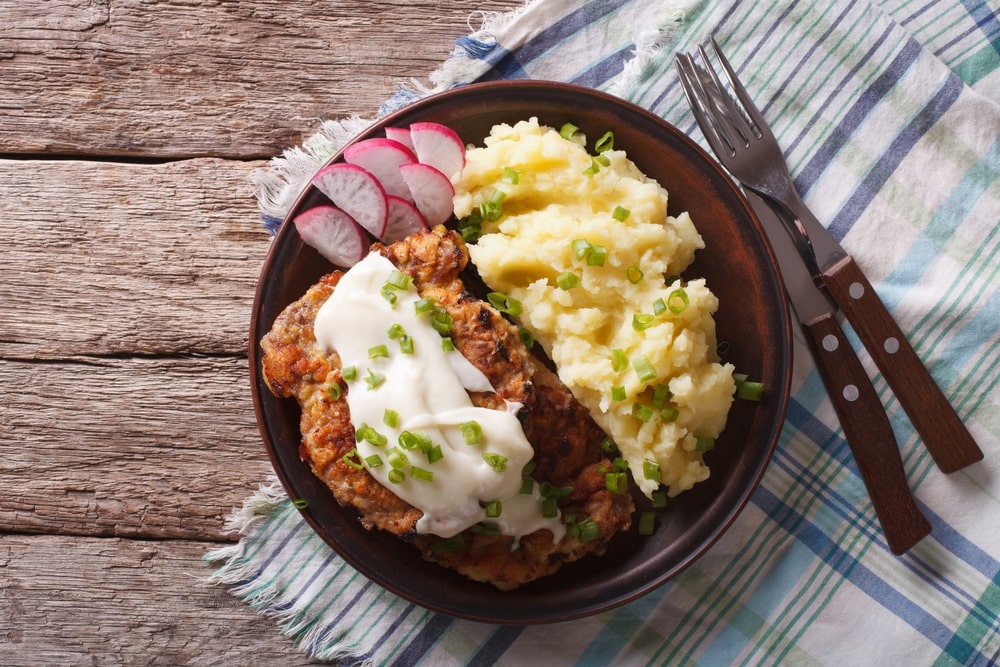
{"x": 856, "y": 290}
{"x": 851, "y": 392}
{"x": 891, "y": 345}
{"x": 830, "y": 342}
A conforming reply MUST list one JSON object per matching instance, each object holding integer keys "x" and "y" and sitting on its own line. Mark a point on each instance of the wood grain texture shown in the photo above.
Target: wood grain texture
{"x": 182, "y": 78}
{"x": 72, "y": 601}
{"x": 110, "y": 258}
{"x": 161, "y": 447}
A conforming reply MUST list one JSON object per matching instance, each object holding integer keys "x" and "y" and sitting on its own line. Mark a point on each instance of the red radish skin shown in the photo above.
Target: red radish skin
{"x": 334, "y": 234}
{"x": 404, "y": 219}
{"x": 357, "y": 192}
{"x": 438, "y": 146}
{"x": 382, "y": 158}
{"x": 400, "y": 134}
{"x": 433, "y": 192}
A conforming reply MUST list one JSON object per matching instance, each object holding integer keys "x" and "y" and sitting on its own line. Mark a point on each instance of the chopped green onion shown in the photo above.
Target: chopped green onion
{"x": 594, "y": 167}
{"x": 396, "y": 331}
{"x": 589, "y": 530}
{"x": 602, "y": 160}
{"x": 526, "y": 337}
{"x": 505, "y": 304}
{"x": 486, "y": 528}
{"x": 389, "y": 295}
{"x": 678, "y": 301}
{"x": 620, "y": 213}
{"x": 568, "y": 130}
{"x": 642, "y": 412}
{"x": 644, "y": 368}
{"x": 608, "y": 445}
{"x": 374, "y": 379}
{"x": 619, "y": 360}
{"x": 349, "y": 374}
{"x": 353, "y": 459}
{"x": 567, "y": 280}
{"x": 618, "y": 393}
{"x": 397, "y": 458}
{"x": 406, "y": 345}
{"x": 669, "y": 414}
{"x": 616, "y": 482}
{"x": 659, "y": 307}
{"x": 620, "y": 464}
{"x": 493, "y": 509}
{"x": 651, "y": 470}
{"x": 634, "y": 274}
{"x": 370, "y": 435}
{"x": 722, "y": 347}
{"x": 642, "y": 321}
{"x": 606, "y": 142}
{"x": 659, "y": 498}
{"x": 550, "y": 508}
{"x": 471, "y": 227}
{"x": 434, "y": 454}
{"x": 704, "y": 444}
{"x": 444, "y": 545}
{"x": 472, "y": 432}
{"x": 300, "y": 503}
{"x": 334, "y": 391}
{"x": 441, "y": 321}
{"x": 425, "y": 305}
{"x": 750, "y": 391}
{"x": 373, "y": 461}
{"x": 740, "y": 378}
{"x": 550, "y": 490}
{"x": 390, "y": 418}
{"x": 396, "y": 476}
{"x": 496, "y": 461}
{"x": 491, "y": 210}
{"x": 527, "y": 486}
{"x": 660, "y": 395}
{"x": 421, "y": 474}
{"x": 399, "y": 280}
{"x": 447, "y": 344}
{"x": 647, "y": 523}
{"x": 378, "y": 352}
{"x": 581, "y": 248}
{"x": 410, "y": 440}
{"x": 598, "y": 255}
{"x": 510, "y": 175}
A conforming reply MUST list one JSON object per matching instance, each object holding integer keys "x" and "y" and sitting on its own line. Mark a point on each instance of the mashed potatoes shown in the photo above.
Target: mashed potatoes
{"x": 591, "y": 254}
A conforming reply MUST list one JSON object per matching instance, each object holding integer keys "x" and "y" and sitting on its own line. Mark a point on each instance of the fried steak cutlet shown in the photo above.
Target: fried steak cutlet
{"x": 566, "y": 440}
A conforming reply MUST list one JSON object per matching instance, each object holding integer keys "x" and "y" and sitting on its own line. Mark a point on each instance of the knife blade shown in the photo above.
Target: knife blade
{"x": 862, "y": 416}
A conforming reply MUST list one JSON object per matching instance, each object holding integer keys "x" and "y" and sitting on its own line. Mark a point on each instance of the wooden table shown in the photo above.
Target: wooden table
{"x": 127, "y": 435}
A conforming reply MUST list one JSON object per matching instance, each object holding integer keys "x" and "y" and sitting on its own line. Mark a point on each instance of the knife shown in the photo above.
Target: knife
{"x": 862, "y": 417}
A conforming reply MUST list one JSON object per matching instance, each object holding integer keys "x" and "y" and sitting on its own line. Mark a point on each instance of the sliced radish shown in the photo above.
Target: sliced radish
{"x": 400, "y": 134}
{"x": 404, "y": 219}
{"x": 381, "y": 158}
{"x": 439, "y": 146}
{"x": 334, "y": 234}
{"x": 432, "y": 192}
{"x": 357, "y": 192}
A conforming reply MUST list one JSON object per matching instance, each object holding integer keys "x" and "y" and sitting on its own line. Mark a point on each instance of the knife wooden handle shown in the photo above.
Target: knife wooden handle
{"x": 945, "y": 436}
{"x": 868, "y": 433}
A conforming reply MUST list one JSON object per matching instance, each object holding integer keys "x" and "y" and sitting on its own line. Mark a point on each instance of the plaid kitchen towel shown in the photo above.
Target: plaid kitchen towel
{"x": 889, "y": 114}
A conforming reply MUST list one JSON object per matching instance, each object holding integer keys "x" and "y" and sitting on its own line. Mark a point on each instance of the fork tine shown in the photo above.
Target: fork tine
{"x": 759, "y": 126}
{"x": 697, "y": 97}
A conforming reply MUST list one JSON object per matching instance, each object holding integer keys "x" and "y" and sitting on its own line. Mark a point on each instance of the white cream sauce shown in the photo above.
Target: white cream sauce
{"x": 428, "y": 390}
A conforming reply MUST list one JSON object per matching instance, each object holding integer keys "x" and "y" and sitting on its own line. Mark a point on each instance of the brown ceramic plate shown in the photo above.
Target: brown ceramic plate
{"x": 752, "y": 317}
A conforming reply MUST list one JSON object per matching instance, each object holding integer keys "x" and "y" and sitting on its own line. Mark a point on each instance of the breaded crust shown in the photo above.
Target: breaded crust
{"x": 566, "y": 440}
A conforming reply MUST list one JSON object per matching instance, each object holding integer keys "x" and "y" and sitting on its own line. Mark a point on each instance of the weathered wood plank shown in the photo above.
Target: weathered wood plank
{"x": 158, "y": 447}
{"x": 109, "y": 258}
{"x": 185, "y": 78}
{"x": 73, "y": 601}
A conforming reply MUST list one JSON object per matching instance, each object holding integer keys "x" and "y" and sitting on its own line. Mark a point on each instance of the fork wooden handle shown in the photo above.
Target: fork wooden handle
{"x": 868, "y": 433}
{"x": 945, "y": 436}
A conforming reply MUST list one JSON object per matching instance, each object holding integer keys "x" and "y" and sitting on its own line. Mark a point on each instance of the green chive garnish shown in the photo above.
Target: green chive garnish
{"x": 567, "y": 280}
{"x": 620, "y": 213}
{"x": 678, "y": 301}
{"x": 651, "y": 470}
{"x": 472, "y": 432}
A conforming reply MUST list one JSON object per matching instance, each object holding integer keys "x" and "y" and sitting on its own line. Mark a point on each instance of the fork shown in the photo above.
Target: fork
{"x": 745, "y": 145}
